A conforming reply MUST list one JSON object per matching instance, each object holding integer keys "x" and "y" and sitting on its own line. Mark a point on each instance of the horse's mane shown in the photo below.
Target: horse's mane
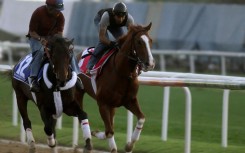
{"x": 58, "y": 38}
{"x": 131, "y": 29}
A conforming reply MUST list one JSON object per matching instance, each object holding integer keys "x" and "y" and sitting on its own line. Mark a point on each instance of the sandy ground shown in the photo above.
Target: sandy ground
{"x": 18, "y": 147}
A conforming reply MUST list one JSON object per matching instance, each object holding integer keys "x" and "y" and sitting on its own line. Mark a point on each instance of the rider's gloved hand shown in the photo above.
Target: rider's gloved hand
{"x": 43, "y": 41}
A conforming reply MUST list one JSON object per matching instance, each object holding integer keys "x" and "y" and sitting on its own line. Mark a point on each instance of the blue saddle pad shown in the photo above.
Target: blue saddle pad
{"x": 22, "y": 69}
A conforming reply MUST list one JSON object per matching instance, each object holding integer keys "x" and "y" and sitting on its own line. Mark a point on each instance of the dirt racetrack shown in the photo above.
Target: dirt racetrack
{"x": 17, "y": 147}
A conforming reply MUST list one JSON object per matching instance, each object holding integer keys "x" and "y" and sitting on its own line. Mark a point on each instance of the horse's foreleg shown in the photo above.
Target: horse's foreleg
{"x": 77, "y": 109}
{"x": 107, "y": 114}
{"x": 49, "y": 128}
{"x": 30, "y": 141}
{"x": 51, "y": 140}
{"x": 86, "y": 129}
{"x": 135, "y": 109}
{"x": 50, "y": 132}
{"x": 86, "y": 132}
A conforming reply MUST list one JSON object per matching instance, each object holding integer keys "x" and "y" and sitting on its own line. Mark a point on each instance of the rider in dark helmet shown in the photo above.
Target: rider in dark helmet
{"x": 46, "y": 21}
{"x": 112, "y": 20}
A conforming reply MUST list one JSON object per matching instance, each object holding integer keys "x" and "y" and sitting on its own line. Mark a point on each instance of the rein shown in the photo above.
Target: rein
{"x": 46, "y": 50}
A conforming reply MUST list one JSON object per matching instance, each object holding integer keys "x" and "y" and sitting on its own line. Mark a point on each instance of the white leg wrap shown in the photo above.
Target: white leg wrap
{"x": 29, "y": 136}
{"x": 100, "y": 135}
{"x": 51, "y": 140}
{"x": 137, "y": 130}
{"x": 112, "y": 143}
{"x": 86, "y": 129}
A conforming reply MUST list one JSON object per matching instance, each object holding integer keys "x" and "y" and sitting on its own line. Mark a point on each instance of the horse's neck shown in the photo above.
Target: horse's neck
{"x": 50, "y": 74}
{"x": 122, "y": 60}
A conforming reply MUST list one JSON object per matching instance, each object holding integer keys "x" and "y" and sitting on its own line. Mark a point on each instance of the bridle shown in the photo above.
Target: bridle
{"x": 48, "y": 49}
{"x": 133, "y": 57}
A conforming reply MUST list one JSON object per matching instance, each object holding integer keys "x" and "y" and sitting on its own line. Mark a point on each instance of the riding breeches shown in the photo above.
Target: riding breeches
{"x": 74, "y": 65}
{"x": 97, "y": 54}
{"x": 37, "y": 55}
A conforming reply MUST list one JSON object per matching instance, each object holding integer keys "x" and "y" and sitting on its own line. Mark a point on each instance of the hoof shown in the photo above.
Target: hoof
{"x": 32, "y": 150}
{"x": 113, "y": 151}
{"x": 87, "y": 151}
{"x": 129, "y": 147}
{"x": 52, "y": 143}
{"x": 93, "y": 133}
{"x": 75, "y": 149}
{"x": 88, "y": 146}
{"x": 32, "y": 147}
{"x": 54, "y": 150}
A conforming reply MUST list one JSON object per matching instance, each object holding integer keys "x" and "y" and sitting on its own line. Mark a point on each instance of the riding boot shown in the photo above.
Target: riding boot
{"x": 34, "y": 87}
{"x": 79, "y": 84}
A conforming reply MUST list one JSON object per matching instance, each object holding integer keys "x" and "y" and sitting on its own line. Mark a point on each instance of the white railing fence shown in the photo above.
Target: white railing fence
{"x": 165, "y": 79}
{"x": 9, "y": 47}
{"x": 168, "y": 79}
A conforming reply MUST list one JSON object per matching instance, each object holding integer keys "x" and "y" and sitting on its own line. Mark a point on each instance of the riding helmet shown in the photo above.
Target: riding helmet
{"x": 57, "y": 4}
{"x": 120, "y": 8}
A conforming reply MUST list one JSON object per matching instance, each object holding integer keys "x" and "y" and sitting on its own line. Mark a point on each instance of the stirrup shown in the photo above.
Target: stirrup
{"x": 87, "y": 72}
{"x": 34, "y": 87}
{"x": 79, "y": 84}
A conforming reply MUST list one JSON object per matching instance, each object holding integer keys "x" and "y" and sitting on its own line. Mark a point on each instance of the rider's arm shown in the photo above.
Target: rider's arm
{"x": 130, "y": 20}
{"x": 102, "y": 36}
{"x": 33, "y": 34}
{"x": 104, "y": 23}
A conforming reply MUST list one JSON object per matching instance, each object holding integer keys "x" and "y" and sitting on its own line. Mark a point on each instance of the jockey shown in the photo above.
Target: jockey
{"x": 113, "y": 20}
{"x": 46, "y": 21}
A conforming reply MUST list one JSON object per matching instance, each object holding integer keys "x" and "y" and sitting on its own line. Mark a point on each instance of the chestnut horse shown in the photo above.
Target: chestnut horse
{"x": 117, "y": 82}
{"x": 58, "y": 92}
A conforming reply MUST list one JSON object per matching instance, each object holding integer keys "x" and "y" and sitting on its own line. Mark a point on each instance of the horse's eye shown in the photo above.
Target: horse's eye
{"x": 139, "y": 42}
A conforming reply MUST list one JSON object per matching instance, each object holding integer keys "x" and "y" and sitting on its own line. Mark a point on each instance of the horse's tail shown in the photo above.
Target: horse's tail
{"x": 6, "y": 72}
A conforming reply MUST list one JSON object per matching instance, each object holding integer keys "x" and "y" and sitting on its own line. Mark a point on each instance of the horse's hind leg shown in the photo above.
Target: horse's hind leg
{"x": 135, "y": 109}
{"x": 22, "y": 106}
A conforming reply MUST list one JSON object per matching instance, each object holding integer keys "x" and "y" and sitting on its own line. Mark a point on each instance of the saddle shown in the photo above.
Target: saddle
{"x": 22, "y": 70}
{"x": 85, "y": 57}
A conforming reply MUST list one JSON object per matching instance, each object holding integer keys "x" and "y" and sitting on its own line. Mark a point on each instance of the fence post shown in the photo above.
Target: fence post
{"x": 187, "y": 120}
{"x": 15, "y": 111}
{"x": 225, "y": 117}
{"x": 130, "y": 126}
{"x": 165, "y": 113}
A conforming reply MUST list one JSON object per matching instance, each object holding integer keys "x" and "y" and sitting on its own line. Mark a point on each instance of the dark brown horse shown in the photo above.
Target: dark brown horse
{"x": 117, "y": 84}
{"x": 58, "y": 93}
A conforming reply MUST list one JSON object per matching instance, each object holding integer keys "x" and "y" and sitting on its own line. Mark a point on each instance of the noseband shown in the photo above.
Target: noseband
{"x": 132, "y": 56}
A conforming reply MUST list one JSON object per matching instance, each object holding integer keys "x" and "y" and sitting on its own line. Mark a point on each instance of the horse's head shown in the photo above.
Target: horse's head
{"x": 61, "y": 51}
{"x": 140, "y": 49}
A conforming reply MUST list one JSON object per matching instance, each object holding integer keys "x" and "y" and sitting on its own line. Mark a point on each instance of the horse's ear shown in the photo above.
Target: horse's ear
{"x": 148, "y": 27}
{"x": 71, "y": 41}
